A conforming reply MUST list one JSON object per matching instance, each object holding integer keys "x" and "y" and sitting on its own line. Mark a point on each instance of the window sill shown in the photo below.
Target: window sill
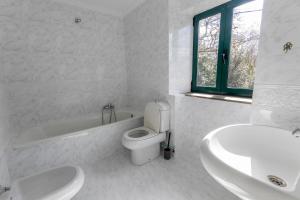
{"x": 220, "y": 97}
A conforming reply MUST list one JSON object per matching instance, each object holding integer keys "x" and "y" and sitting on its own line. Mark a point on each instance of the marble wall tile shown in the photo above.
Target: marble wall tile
{"x": 147, "y": 78}
{"x": 146, "y": 40}
{"x": 277, "y": 83}
{"x": 8, "y": 11}
{"x": 4, "y": 137}
{"x": 194, "y": 119}
{"x": 280, "y": 25}
{"x": 5, "y": 178}
{"x": 181, "y": 15}
{"x": 54, "y": 68}
{"x": 276, "y": 93}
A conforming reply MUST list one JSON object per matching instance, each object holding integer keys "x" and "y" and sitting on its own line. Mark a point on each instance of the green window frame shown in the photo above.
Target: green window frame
{"x": 226, "y": 10}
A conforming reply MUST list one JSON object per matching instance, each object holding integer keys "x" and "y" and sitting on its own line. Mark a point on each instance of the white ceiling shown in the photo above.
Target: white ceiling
{"x": 118, "y": 8}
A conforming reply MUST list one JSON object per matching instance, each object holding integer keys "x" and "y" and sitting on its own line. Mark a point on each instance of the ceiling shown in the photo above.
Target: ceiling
{"x": 119, "y": 8}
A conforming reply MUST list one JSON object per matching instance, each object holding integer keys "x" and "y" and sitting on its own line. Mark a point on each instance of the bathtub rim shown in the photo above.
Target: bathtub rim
{"x": 81, "y": 133}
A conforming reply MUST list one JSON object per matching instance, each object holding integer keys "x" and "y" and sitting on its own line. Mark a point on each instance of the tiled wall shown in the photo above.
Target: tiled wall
{"x": 5, "y": 16}
{"x": 146, "y": 39}
{"x": 181, "y": 15}
{"x": 195, "y": 117}
{"x": 4, "y": 135}
{"x": 277, "y": 83}
{"x": 54, "y": 68}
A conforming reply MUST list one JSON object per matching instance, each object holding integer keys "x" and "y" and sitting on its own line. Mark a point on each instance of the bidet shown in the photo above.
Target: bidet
{"x": 61, "y": 183}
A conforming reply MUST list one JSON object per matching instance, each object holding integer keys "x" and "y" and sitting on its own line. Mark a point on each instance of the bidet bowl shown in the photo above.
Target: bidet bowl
{"x": 254, "y": 162}
{"x": 56, "y": 184}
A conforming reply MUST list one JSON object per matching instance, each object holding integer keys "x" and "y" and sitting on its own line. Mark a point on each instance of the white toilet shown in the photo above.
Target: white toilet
{"x": 57, "y": 184}
{"x": 144, "y": 142}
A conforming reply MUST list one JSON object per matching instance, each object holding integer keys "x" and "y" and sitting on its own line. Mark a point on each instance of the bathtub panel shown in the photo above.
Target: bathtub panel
{"x": 88, "y": 147}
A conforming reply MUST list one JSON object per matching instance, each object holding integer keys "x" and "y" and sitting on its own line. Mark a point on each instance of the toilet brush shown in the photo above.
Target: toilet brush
{"x": 167, "y": 151}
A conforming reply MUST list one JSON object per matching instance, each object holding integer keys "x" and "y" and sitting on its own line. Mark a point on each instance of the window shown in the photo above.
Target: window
{"x": 226, "y": 42}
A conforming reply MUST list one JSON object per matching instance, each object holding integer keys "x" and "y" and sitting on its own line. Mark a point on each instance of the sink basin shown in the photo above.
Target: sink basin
{"x": 254, "y": 162}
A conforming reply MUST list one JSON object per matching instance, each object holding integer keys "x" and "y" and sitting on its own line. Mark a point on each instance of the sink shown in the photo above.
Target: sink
{"x": 254, "y": 162}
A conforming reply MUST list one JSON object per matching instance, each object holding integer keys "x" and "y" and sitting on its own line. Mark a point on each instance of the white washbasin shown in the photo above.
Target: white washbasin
{"x": 243, "y": 158}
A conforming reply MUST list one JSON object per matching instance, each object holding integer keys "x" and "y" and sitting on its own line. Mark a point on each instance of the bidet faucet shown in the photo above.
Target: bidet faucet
{"x": 4, "y": 189}
{"x": 296, "y": 132}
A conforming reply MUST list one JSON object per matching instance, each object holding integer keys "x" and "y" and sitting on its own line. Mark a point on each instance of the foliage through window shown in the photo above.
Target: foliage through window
{"x": 226, "y": 40}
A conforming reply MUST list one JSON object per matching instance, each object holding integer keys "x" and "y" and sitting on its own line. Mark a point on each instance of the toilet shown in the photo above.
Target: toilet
{"x": 57, "y": 184}
{"x": 144, "y": 142}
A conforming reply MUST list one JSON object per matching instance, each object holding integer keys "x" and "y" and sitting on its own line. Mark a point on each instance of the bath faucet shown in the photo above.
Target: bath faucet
{"x": 4, "y": 189}
{"x": 108, "y": 107}
{"x": 296, "y": 132}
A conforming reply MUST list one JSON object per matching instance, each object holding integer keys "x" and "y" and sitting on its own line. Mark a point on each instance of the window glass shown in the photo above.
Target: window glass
{"x": 208, "y": 45}
{"x": 226, "y": 48}
{"x": 245, "y": 36}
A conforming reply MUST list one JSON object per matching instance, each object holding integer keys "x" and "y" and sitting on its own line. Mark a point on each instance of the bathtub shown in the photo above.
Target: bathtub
{"x": 68, "y": 128}
{"x": 69, "y": 142}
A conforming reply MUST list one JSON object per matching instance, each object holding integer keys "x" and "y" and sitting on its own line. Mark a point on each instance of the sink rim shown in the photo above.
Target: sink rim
{"x": 206, "y": 158}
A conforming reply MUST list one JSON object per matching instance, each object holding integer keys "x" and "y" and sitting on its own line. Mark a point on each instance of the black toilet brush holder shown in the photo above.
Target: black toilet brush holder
{"x": 168, "y": 151}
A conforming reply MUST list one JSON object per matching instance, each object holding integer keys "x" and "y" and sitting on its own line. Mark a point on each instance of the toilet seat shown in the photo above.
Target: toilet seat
{"x": 60, "y": 184}
{"x": 145, "y": 133}
{"x": 144, "y": 140}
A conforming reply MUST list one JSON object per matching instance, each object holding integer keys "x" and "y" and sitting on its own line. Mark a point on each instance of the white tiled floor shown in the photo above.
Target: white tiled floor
{"x": 115, "y": 178}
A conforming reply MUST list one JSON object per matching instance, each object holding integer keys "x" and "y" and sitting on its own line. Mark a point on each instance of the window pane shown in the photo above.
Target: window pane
{"x": 208, "y": 44}
{"x": 244, "y": 44}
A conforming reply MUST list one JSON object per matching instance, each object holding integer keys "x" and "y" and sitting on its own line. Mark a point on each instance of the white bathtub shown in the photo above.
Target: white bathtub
{"x": 69, "y": 142}
{"x": 68, "y": 128}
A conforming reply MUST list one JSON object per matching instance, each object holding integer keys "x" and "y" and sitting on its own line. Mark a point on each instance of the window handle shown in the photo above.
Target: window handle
{"x": 224, "y": 57}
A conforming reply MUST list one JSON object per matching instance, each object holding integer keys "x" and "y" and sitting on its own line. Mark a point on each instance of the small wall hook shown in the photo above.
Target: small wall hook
{"x": 287, "y": 47}
{"x": 77, "y": 20}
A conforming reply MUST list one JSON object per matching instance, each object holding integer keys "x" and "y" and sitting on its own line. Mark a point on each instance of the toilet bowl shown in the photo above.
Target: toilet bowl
{"x": 144, "y": 142}
{"x": 57, "y": 184}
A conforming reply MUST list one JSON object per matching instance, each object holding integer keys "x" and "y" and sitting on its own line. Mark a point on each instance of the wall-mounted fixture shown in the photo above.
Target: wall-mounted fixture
{"x": 4, "y": 189}
{"x": 287, "y": 47}
{"x": 77, "y": 20}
